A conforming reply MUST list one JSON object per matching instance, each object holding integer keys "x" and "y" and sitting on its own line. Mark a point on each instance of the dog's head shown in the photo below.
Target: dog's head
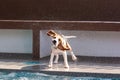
{"x": 55, "y": 37}
{"x": 58, "y": 40}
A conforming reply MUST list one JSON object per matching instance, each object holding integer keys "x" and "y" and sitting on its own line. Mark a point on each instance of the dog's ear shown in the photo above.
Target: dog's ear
{"x": 51, "y": 33}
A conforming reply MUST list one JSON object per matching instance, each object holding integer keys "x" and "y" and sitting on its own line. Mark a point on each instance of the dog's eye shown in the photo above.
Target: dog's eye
{"x": 59, "y": 39}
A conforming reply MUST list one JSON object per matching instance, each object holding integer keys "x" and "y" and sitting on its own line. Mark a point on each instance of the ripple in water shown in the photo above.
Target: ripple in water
{"x": 41, "y": 76}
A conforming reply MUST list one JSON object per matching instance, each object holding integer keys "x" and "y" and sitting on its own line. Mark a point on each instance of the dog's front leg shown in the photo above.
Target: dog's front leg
{"x": 51, "y": 60}
{"x": 65, "y": 59}
{"x": 56, "y": 59}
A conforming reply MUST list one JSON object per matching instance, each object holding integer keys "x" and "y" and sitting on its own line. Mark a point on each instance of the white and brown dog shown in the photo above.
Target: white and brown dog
{"x": 60, "y": 45}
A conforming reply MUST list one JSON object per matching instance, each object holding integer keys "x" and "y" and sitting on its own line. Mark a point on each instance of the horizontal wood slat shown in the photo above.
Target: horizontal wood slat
{"x": 60, "y": 25}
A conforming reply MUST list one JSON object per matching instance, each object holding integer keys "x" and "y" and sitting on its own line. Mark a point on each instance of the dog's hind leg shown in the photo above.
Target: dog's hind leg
{"x": 56, "y": 59}
{"x": 51, "y": 60}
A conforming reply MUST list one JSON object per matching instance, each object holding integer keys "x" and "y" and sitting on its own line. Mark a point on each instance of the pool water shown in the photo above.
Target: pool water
{"x": 41, "y": 76}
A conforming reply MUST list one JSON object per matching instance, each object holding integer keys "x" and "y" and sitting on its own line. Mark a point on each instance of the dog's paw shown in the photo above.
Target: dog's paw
{"x": 50, "y": 66}
{"x": 66, "y": 66}
{"x": 74, "y": 58}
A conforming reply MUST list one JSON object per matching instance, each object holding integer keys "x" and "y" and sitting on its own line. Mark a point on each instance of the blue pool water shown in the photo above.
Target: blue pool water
{"x": 41, "y": 76}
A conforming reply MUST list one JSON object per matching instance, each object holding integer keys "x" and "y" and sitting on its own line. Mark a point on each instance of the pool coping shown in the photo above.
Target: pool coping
{"x": 73, "y": 74}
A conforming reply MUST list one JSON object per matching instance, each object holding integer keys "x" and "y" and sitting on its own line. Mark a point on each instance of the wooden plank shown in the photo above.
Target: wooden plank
{"x": 60, "y": 25}
{"x": 78, "y": 10}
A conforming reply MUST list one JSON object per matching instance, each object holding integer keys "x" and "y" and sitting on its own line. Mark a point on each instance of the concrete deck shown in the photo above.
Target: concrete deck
{"x": 83, "y": 65}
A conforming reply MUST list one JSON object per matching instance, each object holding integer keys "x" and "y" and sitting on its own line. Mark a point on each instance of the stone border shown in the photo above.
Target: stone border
{"x": 73, "y": 74}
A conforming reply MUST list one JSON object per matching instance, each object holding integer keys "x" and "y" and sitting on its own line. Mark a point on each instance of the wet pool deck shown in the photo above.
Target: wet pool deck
{"x": 111, "y": 66}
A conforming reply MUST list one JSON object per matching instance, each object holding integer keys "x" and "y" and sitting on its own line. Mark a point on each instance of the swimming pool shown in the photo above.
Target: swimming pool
{"x": 23, "y": 75}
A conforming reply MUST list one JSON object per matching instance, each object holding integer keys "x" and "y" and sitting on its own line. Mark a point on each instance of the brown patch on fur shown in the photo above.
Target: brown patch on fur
{"x": 63, "y": 47}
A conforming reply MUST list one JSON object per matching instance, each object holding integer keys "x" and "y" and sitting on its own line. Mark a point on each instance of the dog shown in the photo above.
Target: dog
{"x": 60, "y": 45}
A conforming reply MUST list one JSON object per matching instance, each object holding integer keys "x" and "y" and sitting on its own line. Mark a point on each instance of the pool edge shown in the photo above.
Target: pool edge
{"x": 74, "y": 74}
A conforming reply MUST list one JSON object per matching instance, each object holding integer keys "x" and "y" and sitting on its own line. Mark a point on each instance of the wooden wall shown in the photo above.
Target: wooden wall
{"x": 80, "y": 10}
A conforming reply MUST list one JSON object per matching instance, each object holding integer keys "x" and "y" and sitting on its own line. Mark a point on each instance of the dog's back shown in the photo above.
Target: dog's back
{"x": 63, "y": 44}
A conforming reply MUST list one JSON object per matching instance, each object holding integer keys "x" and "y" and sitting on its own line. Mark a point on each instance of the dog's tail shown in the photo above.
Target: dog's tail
{"x": 74, "y": 58}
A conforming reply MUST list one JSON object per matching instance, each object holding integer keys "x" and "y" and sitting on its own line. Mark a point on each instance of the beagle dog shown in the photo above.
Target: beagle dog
{"x": 60, "y": 45}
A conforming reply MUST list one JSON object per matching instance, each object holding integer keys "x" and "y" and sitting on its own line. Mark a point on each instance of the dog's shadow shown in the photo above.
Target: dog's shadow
{"x": 35, "y": 67}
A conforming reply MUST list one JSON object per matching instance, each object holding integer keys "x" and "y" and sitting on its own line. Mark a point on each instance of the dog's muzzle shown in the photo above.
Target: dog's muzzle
{"x": 54, "y": 41}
